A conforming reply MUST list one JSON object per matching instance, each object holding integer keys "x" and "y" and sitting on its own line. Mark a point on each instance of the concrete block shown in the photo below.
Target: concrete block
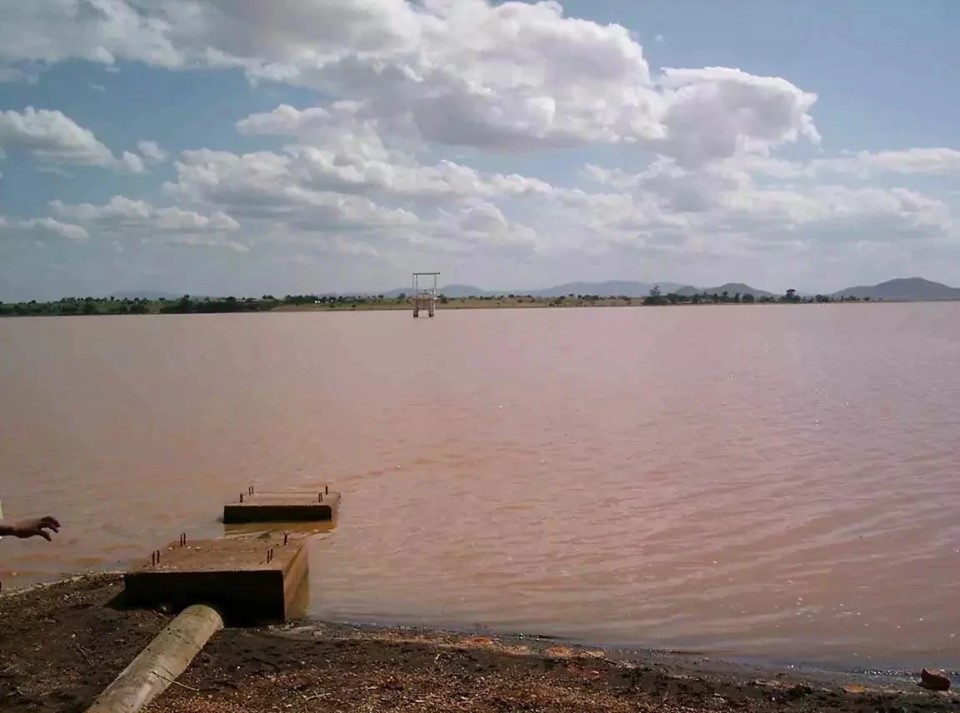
{"x": 247, "y": 580}
{"x": 282, "y": 507}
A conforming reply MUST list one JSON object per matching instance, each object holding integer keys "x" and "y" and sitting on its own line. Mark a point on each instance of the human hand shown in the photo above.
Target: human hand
{"x": 36, "y": 528}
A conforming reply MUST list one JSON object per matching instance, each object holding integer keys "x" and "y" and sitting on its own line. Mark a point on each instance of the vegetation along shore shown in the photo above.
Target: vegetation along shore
{"x": 62, "y": 644}
{"x": 73, "y": 306}
{"x": 580, "y": 294}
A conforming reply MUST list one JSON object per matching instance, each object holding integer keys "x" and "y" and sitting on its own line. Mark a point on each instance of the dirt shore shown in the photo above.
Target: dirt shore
{"x": 60, "y": 645}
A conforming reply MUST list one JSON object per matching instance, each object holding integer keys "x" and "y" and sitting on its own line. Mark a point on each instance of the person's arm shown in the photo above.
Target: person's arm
{"x": 31, "y": 528}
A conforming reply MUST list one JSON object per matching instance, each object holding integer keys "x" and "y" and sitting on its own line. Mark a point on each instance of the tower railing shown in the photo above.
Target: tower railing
{"x": 425, "y": 292}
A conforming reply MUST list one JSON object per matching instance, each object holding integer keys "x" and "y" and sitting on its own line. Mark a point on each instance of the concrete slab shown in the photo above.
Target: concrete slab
{"x": 247, "y": 580}
{"x": 290, "y": 506}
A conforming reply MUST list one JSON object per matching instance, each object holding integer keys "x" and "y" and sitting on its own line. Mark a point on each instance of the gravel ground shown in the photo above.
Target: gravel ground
{"x": 60, "y": 645}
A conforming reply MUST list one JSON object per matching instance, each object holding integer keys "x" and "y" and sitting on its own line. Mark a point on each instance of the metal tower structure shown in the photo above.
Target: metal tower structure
{"x": 425, "y": 292}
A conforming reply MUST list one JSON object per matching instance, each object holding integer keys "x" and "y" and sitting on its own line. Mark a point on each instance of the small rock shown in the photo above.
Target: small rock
{"x": 934, "y": 680}
{"x": 799, "y": 691}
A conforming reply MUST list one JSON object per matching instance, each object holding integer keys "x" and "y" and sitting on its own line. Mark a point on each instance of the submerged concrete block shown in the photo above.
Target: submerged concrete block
{"x": 282, "y": 507}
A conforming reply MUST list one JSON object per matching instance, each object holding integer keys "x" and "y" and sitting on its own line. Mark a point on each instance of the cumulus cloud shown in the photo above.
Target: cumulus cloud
{"x": 932, "y": 161}
{"x": 268, "y": 185}
{"x": 522, "y": 77}
{"x": 842, "y": 213}
{"x": 351, "y": 158}
{"x": 716, "y": 113}
{"x": 17, "y": 74}
{"x": 486, "y": 225}
{"x": 380, "y": 196}
{"x": 510, "y": 76}
{"x": 123, "y": 218}
{"x": 919, "y": 161}
{"x": 726, "y": 204}
{"x": 122, "y": 213}
{"x": 44, "y": 227}
{"x": 151, "y": 151}
{"x": 53, "y": 137}
{"x": 377, "y": 200}
{"x": 411, "y": 93}
{"x": 103, "y": 31}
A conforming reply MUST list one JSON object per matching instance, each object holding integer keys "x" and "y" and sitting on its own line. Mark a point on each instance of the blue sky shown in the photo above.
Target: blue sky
{"x": 341, "y": 144}
{"x": 872, "y": 63}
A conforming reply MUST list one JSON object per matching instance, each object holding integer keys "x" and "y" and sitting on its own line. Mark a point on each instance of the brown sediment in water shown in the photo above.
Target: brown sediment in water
{"x": 60, "y": 645}
{"x": 747, "y": 481}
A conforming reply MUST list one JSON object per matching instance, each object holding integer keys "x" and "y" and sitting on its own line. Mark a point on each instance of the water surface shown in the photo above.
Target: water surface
{"x": 756, "y": 481}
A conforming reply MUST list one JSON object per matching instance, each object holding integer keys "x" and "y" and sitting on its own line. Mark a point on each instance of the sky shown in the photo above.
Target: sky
{"x": 249, "y": 147}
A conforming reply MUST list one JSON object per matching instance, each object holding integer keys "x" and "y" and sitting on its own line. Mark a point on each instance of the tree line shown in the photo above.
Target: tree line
{"x": 657, "y": 298}
{"x": 184, "y": 305}
{"x": 266, "y": 303}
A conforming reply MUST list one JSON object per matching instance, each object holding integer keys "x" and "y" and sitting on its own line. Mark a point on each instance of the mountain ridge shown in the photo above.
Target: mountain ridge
{"x": 901, "y": 289}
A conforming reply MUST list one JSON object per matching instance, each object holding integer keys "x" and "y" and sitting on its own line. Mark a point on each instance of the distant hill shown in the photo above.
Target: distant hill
{"x": 145, "y": 295}
{"x": 735, "y": 287}
{"x": 908, "y": 289}
{"x": 448, "y": 290}
{"x": 912, "y": 289}
{"x": 610, "y": 288}
{"x": 731, "y": 288}
{"x": 464, "y": 291}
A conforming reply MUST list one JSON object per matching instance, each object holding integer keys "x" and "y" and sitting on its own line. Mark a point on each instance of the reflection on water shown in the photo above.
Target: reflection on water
{"x": 772, "y": 481}
{"x": 300, "y": 606}
{"x": 260, "y": 529}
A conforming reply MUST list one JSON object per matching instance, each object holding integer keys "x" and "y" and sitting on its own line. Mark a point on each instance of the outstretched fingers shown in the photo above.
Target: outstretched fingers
{"x": 41, "y": 527}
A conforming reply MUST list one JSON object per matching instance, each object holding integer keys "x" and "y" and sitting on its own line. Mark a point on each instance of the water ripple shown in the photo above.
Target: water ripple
{"x": 757, "y": 482}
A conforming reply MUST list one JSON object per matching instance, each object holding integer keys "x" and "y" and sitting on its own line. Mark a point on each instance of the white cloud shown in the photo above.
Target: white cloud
{"x": 919, "y": 161}
{"x": 717, "y": 113}
{"x": 527, "y": 100}
{"x": 151, "y": 151}
{"x": 486, "y": 226}
{"x": 17, "y": 74}
{"x": 384, "y": 168}
{"x": 317, "y": 124}
{"x": 124, "y": 214}
{"x": 45, "y": 227}
{"x": 933, "y": 161}
{"x": 95, "y": 30}
{"x": 131, "y": 163}
{"x": 124, "y": 219}
{"x": 55, "y": 171}
{"x": 509, "y": 76}
{"x": 53, "y": 137}
{"x": 376, "y": 200}
{"x": 348, "y": 183}
{"x": 351, "y": 158}
{"x": 272, "y": 186}
{"x": 722, "y": 204}
{"x": 840, "y": 213}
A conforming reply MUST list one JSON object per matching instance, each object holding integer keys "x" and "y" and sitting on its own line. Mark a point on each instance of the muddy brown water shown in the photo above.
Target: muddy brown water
{"x": 773, "y": 482}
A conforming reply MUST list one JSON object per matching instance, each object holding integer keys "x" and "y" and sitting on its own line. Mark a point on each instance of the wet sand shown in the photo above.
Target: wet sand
{"x": 61, "y": 644}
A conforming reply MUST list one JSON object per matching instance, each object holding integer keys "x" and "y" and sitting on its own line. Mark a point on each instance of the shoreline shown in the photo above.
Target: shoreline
{"x": 103, "y": 308}
{"x": 829, "y": 671}
{"x": 62, "y": 643}
{"x": 892, "y": 673}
